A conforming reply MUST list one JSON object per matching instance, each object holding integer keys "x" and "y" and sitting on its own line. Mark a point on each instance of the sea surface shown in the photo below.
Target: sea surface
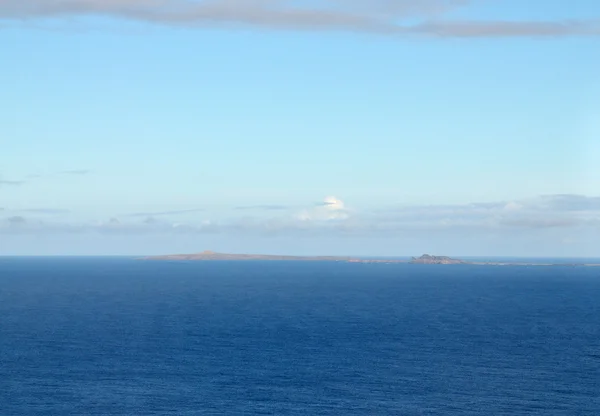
{"x": 118, "y": 336}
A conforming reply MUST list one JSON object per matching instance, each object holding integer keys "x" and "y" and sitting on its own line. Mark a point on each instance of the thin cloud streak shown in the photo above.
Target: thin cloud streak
{"x": 164, "y": 213}
{"x": 366, "y": 16}
{"x": 39, "y": 176}
{"x": 571, "y": 202}
{"x": 16, "y": 220}
{"x": 12, "y": 183}
{"x": 532, "y": 222}
{"x": 479, "y": 29}
{"x": 44, "y": 211}
{"x": 262, "y": 208}
{"x": 76, "y": 172}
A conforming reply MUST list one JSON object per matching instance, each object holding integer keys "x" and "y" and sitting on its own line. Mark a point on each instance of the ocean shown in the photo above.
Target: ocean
{"x": 119, "y": 336}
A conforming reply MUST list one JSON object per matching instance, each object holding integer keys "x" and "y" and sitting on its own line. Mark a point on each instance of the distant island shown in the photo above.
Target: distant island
{"x": 424, "y": 259}
{"x": 427, "y": 259}
{"x": 213, "y": 256}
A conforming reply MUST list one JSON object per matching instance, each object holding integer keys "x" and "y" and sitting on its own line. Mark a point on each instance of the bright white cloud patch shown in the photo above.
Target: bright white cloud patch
{"x": 330, "y": 209}
{"x": 334, "y": 204}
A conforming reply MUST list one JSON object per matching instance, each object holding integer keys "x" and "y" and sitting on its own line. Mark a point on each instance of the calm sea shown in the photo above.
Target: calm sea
{"x": 114, "y": 336}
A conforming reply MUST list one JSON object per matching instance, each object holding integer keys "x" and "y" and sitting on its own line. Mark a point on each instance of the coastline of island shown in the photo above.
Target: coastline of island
{"x": 423, "y": 260}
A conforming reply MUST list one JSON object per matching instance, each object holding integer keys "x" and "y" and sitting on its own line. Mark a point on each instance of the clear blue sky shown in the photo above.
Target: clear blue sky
{"x": 469, "y": 129}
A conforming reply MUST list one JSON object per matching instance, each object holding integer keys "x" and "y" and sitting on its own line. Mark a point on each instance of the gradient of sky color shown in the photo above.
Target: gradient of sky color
{"x": 121, "y": 136}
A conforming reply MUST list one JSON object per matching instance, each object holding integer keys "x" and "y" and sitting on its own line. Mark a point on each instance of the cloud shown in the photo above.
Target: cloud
{"x": 37, "y": 176}
{"x": 11, "y": 183}
{"x": 545, "y": 212}
{"x": 571, "y": 203}
{"x": 370, "y": 16}
{"x": 44, "y": 211}
{"x": 160, "y": 224}
{"x": 566, "y": 214}
{"x": 333, "y": 203}
{"x": 513, "y": 206}
{"x": 165, "y": 213}
{"x": 16, "y": 221}
{"x": 474, "y": 29}
{"x": 330, "y": 209}
{"x": 75, "y": 172}
{"x": 262, "y": 208}
{"x": 533, "y": 222}
{"x": 540, "y": 213}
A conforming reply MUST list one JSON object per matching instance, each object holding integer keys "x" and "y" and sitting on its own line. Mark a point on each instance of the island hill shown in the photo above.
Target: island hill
{"x": 424, "y": 259}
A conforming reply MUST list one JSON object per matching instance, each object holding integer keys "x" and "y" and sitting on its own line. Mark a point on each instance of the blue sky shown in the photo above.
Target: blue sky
{"x": 373, "y": 128}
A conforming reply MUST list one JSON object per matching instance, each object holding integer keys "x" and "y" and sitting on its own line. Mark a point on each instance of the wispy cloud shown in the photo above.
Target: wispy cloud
{"x": 533, "y": 222}
{"x": 37, "y": 176}
{"x": 11, "y": 183}
{"x": 262, "y": 208}
{"x": 44, "y": 211}
{"x": 571, "y": 203}
{"x": 369, "y": 16}
{"x": 475, "y": 29}
{"x": 76, "y": 172}
{"x": 566, "y": 214}
{"x": 545, "y": 212}
{"x": 16, "y": 220}
{"x": 164, "y": 213}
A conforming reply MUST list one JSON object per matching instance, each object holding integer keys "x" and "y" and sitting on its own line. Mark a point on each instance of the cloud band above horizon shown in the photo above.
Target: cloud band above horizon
{"x": 387, "y": 17}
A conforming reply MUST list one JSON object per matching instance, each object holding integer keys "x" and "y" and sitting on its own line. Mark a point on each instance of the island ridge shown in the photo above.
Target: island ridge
{"x": 424, "y": 259}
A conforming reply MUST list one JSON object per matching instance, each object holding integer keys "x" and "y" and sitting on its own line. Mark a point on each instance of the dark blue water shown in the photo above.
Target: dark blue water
{"x": 124, "y": 337}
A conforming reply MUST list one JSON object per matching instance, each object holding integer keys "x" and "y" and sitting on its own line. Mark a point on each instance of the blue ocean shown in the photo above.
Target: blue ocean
{"x": 119, "y": 336}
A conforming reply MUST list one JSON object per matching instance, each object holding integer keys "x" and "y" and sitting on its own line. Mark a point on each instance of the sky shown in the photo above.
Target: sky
{"x": 376, "y": 128}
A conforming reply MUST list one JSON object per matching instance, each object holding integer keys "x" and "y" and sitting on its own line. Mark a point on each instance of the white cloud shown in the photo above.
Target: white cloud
{"x": 333, "y": 203}
{"x": 330, "y": 209}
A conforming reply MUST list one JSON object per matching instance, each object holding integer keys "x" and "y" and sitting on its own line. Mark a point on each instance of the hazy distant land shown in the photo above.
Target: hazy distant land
{"x": 211, "y": 255}
{"x": 424, "y": 259}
